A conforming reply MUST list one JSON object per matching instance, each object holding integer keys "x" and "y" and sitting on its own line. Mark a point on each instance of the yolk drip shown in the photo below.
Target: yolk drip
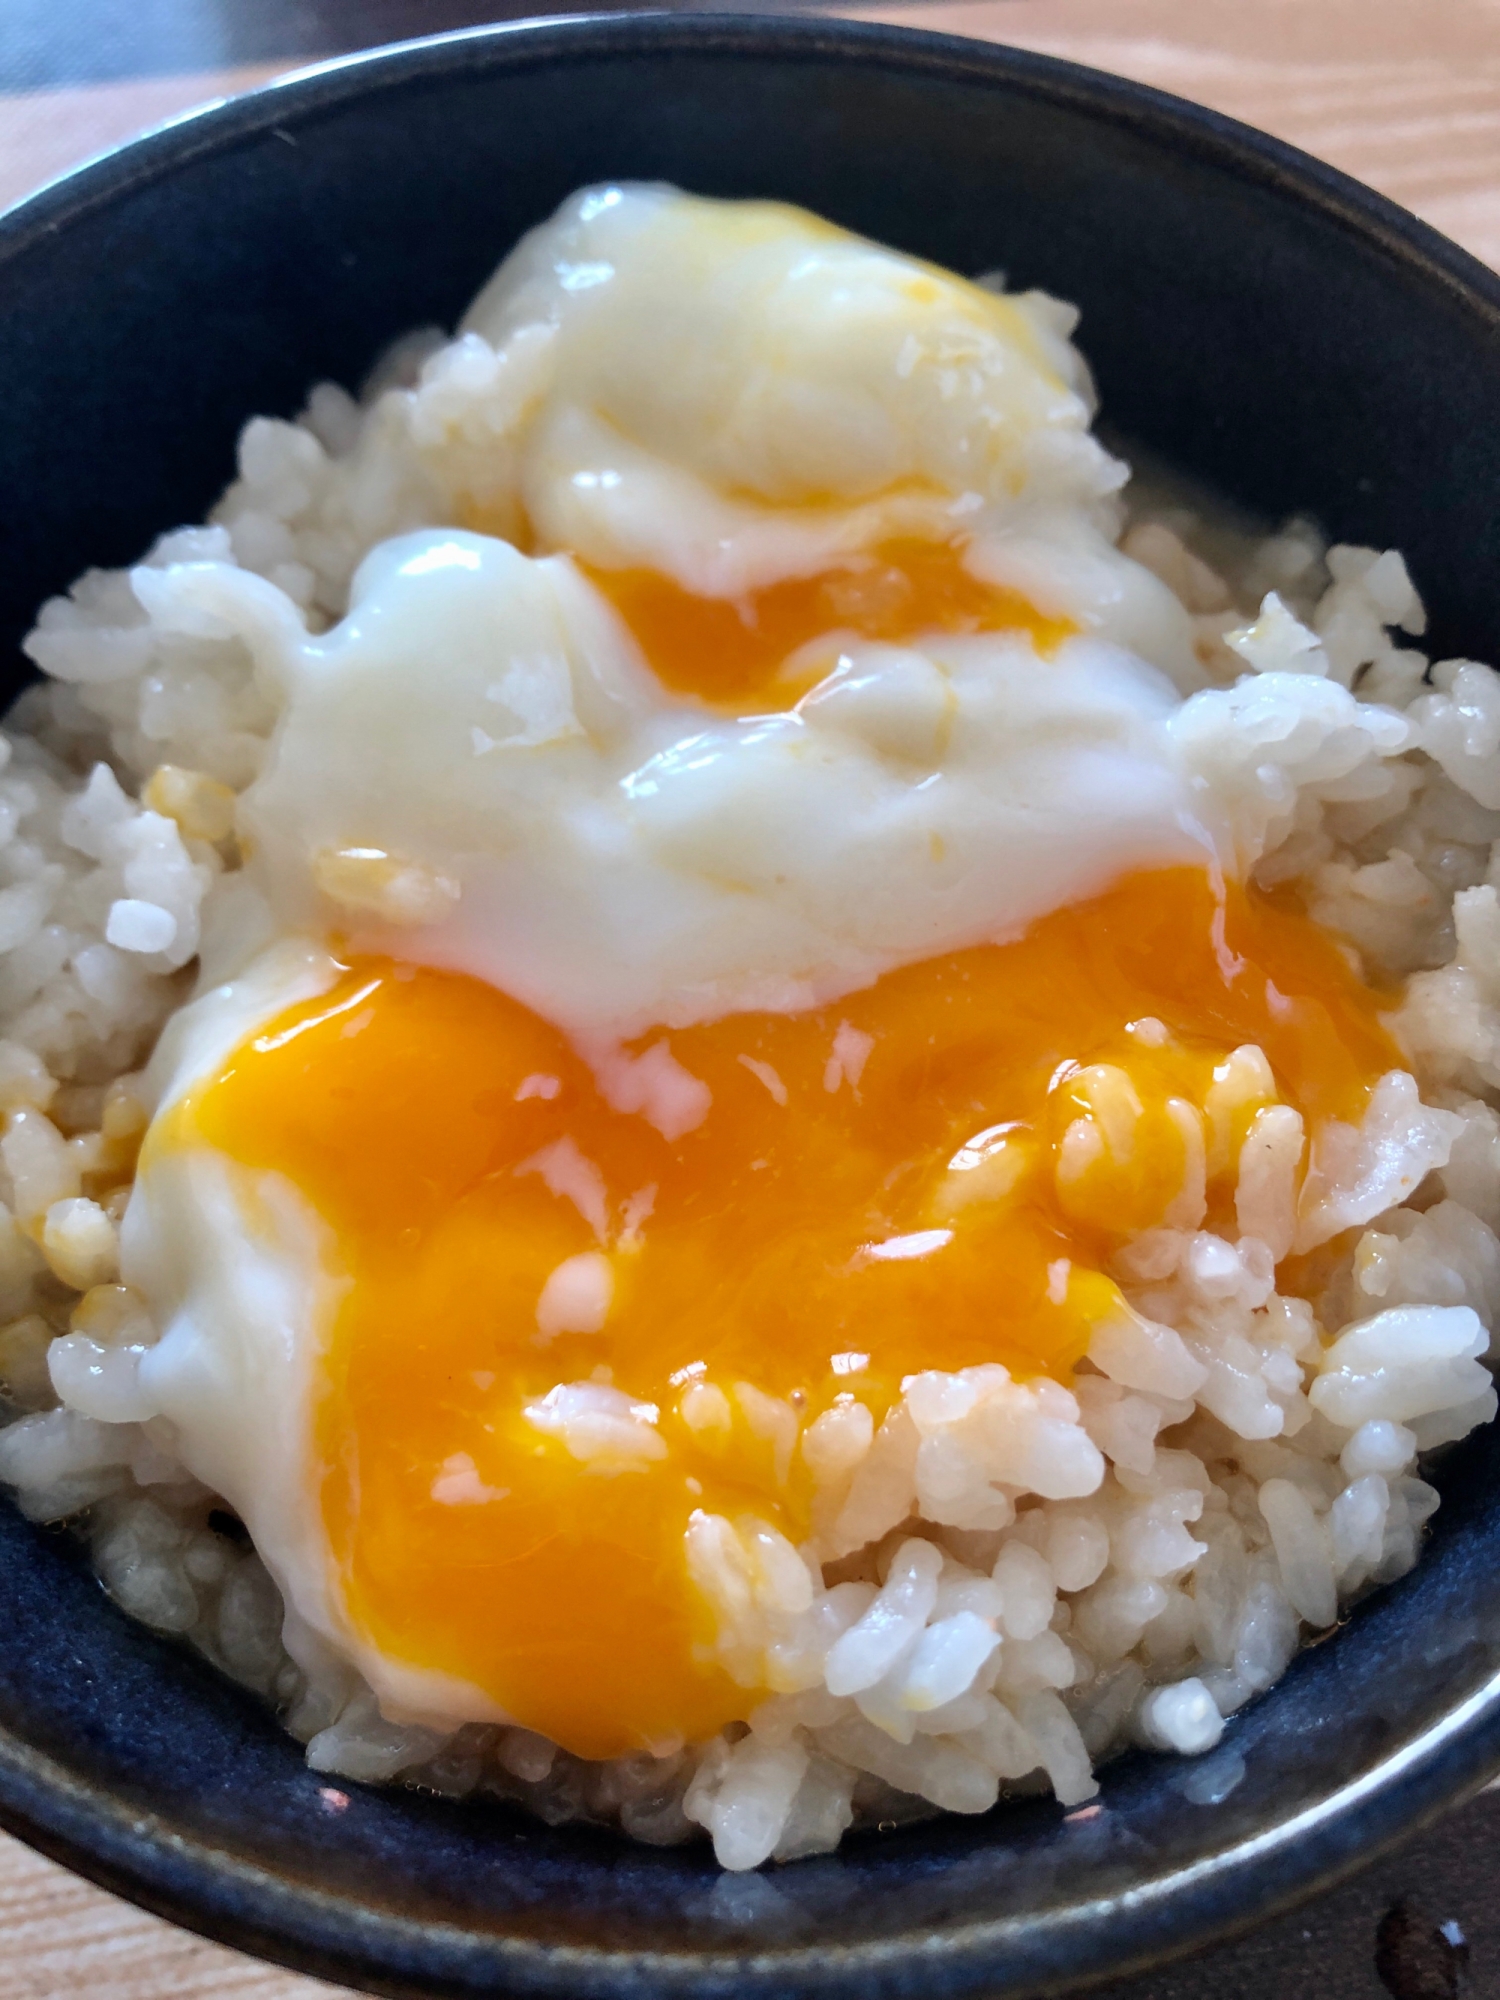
{"x": 931, "y": 1173}
{"x": 755, "y": 648}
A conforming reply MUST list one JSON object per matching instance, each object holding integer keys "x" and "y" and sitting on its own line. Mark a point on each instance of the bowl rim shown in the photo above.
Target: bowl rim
{"x": 138, "y": 1854}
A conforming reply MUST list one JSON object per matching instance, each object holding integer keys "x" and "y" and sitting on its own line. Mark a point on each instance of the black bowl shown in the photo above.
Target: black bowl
{"x": 1263, "y": 323}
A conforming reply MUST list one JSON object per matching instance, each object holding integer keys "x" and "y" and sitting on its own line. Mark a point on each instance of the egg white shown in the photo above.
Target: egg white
{"x": 623, "y": 857}
{"x": 244, "y": 1280}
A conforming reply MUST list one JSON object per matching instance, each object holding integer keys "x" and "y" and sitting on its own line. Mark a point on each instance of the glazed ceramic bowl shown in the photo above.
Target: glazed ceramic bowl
{"x": 1252, "y": 317}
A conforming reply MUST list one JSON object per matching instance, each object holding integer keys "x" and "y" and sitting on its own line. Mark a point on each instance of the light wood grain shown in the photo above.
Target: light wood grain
{"x": 62, "y": 1939}
{"x": 45, "y": 132}
{"x": 1404, "y": 96}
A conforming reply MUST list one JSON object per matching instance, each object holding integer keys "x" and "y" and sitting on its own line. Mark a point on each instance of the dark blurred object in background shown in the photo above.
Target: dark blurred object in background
{"x": 44, "y": 43}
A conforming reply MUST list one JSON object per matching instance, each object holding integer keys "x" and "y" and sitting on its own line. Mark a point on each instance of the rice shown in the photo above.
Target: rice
{"x": 1006, "y": 1582}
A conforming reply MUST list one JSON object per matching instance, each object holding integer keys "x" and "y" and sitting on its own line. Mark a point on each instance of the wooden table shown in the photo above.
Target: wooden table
{"x": 1404, "y": 95}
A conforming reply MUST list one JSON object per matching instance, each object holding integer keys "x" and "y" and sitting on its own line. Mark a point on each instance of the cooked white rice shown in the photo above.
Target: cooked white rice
{"x": 1006, "y": 1583}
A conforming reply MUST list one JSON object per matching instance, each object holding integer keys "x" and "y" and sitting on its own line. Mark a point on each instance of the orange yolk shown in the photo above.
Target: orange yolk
{"x": 754, "y": 649}
{"x": 930, "y": 1173}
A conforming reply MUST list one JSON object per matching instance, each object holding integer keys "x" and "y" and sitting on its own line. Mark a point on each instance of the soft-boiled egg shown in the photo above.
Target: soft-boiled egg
{"x": 726, "y": 927}
{"x": 494, "y": 1325}
{"x": 479, "y": 766}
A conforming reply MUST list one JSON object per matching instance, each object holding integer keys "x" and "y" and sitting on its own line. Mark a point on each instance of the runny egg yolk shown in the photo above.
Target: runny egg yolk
{"x": 930, "y": 1173}
{"x": 754, "y": 649}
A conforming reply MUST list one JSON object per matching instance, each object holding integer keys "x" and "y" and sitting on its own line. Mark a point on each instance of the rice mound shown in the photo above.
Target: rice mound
{"x": 1007, "y": 1583}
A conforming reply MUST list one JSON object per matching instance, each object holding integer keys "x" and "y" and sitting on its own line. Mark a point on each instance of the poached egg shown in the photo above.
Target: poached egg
{"x": 726, "y": 926}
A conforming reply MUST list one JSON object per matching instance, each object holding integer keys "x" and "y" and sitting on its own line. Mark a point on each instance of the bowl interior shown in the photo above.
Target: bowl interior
{"x": 1265, "y": 328}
